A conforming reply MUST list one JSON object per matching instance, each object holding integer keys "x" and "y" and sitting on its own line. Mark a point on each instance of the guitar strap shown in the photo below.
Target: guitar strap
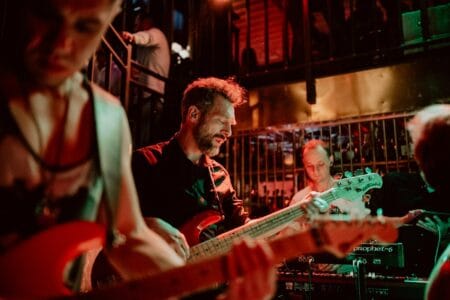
{"x": 109, "y": 119}
{"x": 214, "y": 190}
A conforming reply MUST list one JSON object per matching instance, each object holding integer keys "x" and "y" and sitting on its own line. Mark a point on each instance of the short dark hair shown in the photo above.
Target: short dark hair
{"x": 201, "y": 93}
{"x": 430, "y": 131}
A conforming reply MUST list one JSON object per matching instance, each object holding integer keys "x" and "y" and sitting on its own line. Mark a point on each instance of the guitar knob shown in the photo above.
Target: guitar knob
{"x": 368, "y": 170}
{"x": 348, "y": 174}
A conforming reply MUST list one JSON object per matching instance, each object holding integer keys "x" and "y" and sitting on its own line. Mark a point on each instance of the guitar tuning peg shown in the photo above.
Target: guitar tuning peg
{"x": 348, "y": 174}
{"x": 368, "y": 170}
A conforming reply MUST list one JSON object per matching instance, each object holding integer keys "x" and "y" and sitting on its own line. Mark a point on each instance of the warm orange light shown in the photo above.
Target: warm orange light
{"x": 220, "y": 2}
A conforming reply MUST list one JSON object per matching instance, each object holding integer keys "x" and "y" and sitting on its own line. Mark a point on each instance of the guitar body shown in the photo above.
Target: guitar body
{"x": 194, "y": 227}
{"x": 104, "y": 274}
{"x": 35, "y": 267}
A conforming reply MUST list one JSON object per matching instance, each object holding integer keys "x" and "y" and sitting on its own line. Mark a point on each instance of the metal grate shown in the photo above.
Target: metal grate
{"x": 266, "y": 165}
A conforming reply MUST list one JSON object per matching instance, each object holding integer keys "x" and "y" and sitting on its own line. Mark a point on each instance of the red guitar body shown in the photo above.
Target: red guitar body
{"x": 35, "y": 267}
{"x": 193, "y": 228}
{"x": 103, "y": 274}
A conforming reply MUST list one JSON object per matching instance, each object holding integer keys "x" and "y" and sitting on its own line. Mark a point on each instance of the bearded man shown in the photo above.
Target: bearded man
{"x": 178, "y": 180}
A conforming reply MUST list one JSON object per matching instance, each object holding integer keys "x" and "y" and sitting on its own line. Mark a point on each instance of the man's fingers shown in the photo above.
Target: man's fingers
{"x": 181, "y": 246}
{"x": 427, "y": 226}
{"x": 438, "y": 220}
{"x": 321, "y": 204}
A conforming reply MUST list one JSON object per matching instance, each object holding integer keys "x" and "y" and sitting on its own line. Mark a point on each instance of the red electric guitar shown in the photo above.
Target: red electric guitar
{"x": 34, "y": 269}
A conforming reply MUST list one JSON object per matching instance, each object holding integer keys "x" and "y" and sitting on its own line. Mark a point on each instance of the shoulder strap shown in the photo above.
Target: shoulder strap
{"x": 108, "y": 125}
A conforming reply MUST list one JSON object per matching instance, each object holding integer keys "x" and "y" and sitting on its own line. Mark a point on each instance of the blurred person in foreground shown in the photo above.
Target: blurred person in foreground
{"x": 51, "y": 169}
{"x": 430, "y": 133}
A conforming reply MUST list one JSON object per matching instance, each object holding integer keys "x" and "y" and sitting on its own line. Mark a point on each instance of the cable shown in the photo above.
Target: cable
{"x": 438, "y": 244}
{"x": 310, "y": 287}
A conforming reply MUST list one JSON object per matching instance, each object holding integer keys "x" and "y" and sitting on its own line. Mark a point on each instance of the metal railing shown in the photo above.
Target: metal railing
{"x": 266, "y": 165}
{"x": 128, "y": 89}
{"x": 275, "y": 35}
{"x": 118, "y": 53}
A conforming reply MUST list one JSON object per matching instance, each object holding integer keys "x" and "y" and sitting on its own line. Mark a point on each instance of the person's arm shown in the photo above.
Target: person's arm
{"x": 300, "y": 195}
{"x": 311, "y": 206}
{"x": 141, "y": 38}
{"x": 255, "y": 262}
{"x": 170, "y": 234}
{"x": 142, "y": 251}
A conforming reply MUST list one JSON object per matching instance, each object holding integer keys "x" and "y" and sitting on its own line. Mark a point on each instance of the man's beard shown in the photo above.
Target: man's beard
{"x": 205, "y": 141}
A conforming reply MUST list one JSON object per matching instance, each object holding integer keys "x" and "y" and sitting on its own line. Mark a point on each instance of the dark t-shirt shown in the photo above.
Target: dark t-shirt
{"x": 171, "y": 187}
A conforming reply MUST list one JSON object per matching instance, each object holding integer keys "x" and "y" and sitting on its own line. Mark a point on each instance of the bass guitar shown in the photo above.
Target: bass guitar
{"x": 351, "y": 189}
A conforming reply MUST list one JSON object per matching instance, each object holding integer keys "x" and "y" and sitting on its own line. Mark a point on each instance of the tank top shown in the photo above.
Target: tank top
{"x": 66, "y": 193}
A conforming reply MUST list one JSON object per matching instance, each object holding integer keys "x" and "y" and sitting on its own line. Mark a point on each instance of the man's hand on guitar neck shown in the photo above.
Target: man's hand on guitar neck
{"x": 171, "y": 235}
{"x": 313, "y": 204}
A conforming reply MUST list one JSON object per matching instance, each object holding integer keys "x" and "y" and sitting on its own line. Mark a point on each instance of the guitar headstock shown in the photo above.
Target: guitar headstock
{"x": 353, "y": 188}
{"x": 339, "y": 234}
